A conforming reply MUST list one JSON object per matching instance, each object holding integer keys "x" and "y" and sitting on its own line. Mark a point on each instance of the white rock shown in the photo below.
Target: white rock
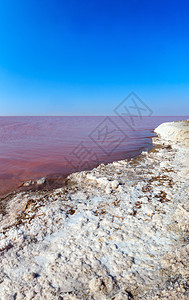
{"x": 102, "y": 181}
{"x": 91, "y": 177}
{"x": 115, "y": 184}
{"x": 28, "y": 183}
{"x": 108, "y": 189}
{"x": 41, "y": 181}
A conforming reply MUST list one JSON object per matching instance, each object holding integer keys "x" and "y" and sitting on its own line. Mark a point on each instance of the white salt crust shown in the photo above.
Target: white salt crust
{"x": 117, "y": 232}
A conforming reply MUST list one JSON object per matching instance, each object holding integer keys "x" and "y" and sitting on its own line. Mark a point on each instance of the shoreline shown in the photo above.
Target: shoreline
{"x": 116, "y": 232}
{"x": 50, "y": 182}
{"x": 34, "y": 166}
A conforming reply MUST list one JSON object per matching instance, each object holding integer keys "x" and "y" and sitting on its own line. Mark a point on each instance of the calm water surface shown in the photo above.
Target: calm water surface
{"x": 32, "y": 147}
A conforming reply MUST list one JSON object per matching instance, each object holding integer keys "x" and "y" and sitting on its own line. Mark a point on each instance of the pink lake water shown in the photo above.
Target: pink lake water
{"x": 33, "y": 147}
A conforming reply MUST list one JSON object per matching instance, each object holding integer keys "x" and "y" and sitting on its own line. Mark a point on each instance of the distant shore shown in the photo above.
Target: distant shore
{"x": 119, "y": 231}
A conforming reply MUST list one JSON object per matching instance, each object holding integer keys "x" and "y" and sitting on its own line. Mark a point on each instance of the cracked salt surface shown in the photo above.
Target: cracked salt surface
{"x": 117, "y": 232}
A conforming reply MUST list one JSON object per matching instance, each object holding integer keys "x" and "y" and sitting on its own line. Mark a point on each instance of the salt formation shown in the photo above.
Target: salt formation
{"x": 117, "y": 232}
{"x": 174, "y": 132}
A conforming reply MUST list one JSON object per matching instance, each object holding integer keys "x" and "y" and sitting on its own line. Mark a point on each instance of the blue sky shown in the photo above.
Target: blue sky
{"x": 82, "y": 57}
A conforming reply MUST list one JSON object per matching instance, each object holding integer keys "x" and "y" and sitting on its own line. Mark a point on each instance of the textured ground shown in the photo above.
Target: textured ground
{"x": 117, "y": 232}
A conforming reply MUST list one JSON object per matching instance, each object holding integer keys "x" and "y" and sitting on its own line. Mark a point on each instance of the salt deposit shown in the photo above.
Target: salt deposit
{"x": 175, "y": 132}
{"x": 117, "y": 232}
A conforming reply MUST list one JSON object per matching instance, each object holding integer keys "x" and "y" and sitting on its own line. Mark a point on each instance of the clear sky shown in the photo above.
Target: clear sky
{"x": 82, "y": 57}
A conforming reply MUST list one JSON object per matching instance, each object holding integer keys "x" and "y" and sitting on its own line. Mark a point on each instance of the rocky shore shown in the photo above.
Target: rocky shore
{"x": 117, "y": 232}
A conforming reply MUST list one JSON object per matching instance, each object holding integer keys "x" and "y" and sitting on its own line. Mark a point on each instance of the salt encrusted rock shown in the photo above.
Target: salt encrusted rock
{"x": 91, "y": 177}
{"x": 103, "y": 181}
{"x": 32, "y": 182}
{"x": 108, "y": 189}
{"x": 28, "y": 183}
{"x": 115, "y": 184}
{"x": 41, "y": 181}
{"x": 120, "y": 189}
